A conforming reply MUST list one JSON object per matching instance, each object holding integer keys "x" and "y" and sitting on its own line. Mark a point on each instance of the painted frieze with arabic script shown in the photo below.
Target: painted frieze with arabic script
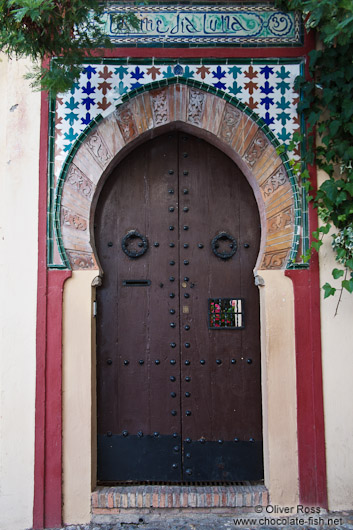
{"x": 203, "y": 24}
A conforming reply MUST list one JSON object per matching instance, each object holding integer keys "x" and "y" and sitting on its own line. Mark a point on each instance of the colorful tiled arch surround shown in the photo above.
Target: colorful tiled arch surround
{"x": 267, "y": 87}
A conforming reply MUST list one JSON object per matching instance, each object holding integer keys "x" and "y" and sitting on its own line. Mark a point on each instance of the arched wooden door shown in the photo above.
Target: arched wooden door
{"x": 177, "y": 232}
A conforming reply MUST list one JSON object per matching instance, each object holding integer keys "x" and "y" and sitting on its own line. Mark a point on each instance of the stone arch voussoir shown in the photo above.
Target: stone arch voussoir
{"x": 226, "y": 123}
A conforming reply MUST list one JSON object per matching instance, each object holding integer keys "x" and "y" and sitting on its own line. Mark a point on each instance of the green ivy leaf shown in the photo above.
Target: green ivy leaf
{"x": 334, "y": 126}
{"x": 348, "y": 285}
{"x": 347, "y": 108}
{"x": 329, "y": 291}
{"x": 325, "y": 229}
{"x": 349, "y": 187}
{"x": 329, "y": 187}
{"x": 337, "y": 273}
{"x": 316, "y": 245}
{"x": 349, "y": 264}
{"x": 340, "y": 253}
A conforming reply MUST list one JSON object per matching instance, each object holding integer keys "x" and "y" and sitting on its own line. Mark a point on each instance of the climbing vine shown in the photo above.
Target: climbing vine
{"x": 67, "y": 29}
{"x": 327, "y": 105}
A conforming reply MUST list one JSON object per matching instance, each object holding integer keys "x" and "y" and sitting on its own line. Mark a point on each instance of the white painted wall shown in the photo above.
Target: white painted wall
{"x": 337, "y": 355}
{"x": 19, "y": 156}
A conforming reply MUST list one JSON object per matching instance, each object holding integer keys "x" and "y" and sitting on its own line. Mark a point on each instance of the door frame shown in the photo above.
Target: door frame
{"x": 285, "y": 352}
{"x": 102, "y": 147}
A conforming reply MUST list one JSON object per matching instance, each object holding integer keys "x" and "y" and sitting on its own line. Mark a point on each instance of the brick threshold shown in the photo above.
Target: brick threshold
{"x": 122, "y": 499}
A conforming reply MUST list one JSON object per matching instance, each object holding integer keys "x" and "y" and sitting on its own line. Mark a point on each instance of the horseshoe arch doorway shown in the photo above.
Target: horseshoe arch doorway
{"x": 177, "y": 233}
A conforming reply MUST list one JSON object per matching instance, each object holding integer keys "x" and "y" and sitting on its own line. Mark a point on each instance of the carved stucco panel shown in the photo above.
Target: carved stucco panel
{"x": 274, "y": 182}
{"x": 126, "y": 123}
{"x": 280, "y": 221}
{"x": 81, "y": 260}
{"x": 256, "y": 148}
{"x": 70, "y": 219}
{"x": 79, "y": 182}
{"x": 99, "y": 149}
{"x": 275, "y": 260}
{"x": 196, "y": 106}
{"x": 230, "y": 124}
{"x": 160, "y": 107}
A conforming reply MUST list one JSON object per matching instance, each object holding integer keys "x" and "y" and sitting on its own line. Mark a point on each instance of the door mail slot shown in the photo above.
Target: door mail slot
{"x": 136, "y": 283}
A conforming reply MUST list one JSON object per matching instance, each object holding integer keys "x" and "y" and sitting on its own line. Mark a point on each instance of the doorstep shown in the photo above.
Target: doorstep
{"x": 147, "y": 498}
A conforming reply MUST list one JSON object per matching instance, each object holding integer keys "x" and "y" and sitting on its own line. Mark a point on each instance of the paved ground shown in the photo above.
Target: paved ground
{"x": 264, "y": 521}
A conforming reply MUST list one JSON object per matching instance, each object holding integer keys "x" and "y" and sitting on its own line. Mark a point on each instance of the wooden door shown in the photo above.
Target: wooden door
{"x": 178, "y": 353}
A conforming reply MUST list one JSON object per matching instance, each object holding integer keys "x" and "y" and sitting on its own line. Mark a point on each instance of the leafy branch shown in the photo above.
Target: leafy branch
{"x": 66, "y": 29}
{"x": 327, "y": 105}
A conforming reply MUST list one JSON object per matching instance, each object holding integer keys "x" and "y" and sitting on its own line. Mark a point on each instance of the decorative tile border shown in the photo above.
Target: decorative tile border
{"x": 204, "y": 24}
{"x": 263, "y": 88}
{"x": 267, "y": 89}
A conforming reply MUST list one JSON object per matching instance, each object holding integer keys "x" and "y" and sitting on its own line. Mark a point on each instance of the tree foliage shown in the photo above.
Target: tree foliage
{"x": 327, "y": 104}
{"x": 68, "y": 29}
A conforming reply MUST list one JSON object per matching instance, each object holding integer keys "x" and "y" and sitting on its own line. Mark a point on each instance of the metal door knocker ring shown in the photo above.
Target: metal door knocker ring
{"x": 223, "y": 236}
{"x": 131, "y": 235}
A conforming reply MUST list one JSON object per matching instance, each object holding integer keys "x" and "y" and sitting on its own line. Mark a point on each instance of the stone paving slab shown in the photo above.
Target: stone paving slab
{"x": 247, "y": 521}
